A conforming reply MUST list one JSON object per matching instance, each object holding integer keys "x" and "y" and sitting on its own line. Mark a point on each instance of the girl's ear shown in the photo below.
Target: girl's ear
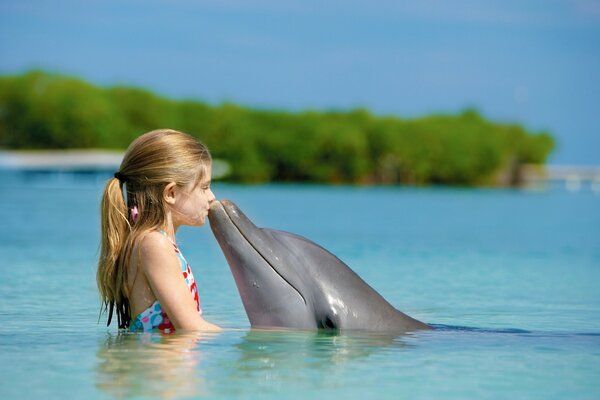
{"x": 169, "y": 193}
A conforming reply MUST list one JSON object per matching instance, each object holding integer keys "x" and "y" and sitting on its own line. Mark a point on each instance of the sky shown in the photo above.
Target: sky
{"x": 536, "y": 63}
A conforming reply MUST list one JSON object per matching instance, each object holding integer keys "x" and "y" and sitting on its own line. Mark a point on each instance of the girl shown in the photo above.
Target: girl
{"x": 141, "y": 272}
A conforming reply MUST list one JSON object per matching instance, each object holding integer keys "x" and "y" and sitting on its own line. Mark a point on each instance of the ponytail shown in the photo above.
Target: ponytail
{"x": 151, "y": 162}
{"x": 115, "y": 228}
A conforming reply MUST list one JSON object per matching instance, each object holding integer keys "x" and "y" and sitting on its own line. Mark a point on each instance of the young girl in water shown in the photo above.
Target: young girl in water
{"x": 141, "y": 271}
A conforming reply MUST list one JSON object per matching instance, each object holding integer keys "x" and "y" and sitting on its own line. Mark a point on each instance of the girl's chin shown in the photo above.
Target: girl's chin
{"x": 200, "y": 221}
{"x": 195, "y": 222}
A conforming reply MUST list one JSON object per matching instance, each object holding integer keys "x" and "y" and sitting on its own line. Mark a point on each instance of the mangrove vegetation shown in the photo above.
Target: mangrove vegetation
{"x": 40, "y": 110}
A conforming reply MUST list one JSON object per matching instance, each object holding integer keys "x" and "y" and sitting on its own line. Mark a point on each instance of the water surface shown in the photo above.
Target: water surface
{"x": 509, "y": 278}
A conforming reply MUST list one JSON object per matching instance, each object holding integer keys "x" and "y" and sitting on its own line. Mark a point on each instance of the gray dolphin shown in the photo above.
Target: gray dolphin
{"x": 287, "y": 281}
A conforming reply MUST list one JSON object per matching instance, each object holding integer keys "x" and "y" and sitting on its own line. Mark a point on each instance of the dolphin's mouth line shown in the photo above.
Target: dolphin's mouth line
{"x": 261, "y": 255}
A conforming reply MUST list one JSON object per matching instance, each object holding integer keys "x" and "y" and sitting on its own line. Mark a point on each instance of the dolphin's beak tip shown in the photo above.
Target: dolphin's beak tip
{"x": 223, "y": 207}
{"x": 215, "y": 206}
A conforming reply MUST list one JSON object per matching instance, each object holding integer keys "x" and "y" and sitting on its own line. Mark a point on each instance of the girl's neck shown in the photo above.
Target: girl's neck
{"x": 169, "y": 228}
{"x": 169, "y": 233}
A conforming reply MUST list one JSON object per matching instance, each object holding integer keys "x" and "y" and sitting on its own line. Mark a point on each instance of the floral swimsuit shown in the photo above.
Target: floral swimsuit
{"x": 154, "y": 317}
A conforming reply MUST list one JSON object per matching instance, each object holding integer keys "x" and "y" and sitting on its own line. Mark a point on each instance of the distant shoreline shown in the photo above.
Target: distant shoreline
{"x": 61, "y": 159}
{"x": 572, "y": 177}
{"x": 76, "y": 160}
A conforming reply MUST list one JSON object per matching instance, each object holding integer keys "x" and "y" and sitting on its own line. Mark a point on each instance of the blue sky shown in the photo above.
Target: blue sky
{"x": 532, "y": 62}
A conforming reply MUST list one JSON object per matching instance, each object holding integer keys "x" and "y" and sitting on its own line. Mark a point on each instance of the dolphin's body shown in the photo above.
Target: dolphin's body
{"x": 287, "y": 281}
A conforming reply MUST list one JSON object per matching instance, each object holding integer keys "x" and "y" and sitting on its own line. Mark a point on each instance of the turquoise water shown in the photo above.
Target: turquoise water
{"x": 510, "y": 279}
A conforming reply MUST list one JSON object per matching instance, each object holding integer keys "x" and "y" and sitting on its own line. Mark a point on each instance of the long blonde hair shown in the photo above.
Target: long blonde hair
{"x": 151, "y": 162}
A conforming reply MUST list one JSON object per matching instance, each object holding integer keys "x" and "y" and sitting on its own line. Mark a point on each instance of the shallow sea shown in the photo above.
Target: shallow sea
{"x": 510, "y": 279}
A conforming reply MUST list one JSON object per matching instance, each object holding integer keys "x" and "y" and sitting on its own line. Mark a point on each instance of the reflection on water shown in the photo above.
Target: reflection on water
{"x": 276, "y": 361}
{"x": 269, "y": 349}
{"x": 179, "y": 365}
{"x": 151, "y": 364}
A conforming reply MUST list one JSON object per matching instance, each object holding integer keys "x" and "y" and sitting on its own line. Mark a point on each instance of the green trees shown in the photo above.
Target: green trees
{"x": 42, "y": 110}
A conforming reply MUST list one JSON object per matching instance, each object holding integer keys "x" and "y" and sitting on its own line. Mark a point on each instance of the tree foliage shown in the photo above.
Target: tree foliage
{"x": 50, "y": 111}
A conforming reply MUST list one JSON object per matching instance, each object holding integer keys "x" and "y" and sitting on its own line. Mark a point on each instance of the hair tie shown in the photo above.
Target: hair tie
{"x": 120, "y": 177}
{"x": 134, "y": 213}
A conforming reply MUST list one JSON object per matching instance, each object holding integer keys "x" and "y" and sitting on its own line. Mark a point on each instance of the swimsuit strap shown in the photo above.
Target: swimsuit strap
{"x": 182, "y": 260}
{"x": 187, "y": 272}
{"x": 167, "y": 236}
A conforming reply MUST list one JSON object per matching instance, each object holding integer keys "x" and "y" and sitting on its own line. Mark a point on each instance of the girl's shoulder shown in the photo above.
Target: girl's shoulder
{"x": 154, "y": 248}
{"x": 153, "y": 238}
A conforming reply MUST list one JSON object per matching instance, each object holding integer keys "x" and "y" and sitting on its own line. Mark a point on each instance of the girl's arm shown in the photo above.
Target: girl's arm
{"x": 162, "y": 269}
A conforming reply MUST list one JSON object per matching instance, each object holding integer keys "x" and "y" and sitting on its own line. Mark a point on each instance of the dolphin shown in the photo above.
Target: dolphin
{"x": 287, "y": 281}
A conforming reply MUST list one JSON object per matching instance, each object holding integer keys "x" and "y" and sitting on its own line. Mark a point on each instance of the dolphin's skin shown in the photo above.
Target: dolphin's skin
{"x": 287, "y": 281}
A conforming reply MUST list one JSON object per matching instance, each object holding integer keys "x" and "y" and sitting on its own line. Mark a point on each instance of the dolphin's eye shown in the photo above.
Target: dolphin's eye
{"x": 328, "y": 323}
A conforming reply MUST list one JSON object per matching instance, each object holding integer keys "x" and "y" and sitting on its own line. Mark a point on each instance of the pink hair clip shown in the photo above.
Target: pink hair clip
{"x": 134, "y": 214}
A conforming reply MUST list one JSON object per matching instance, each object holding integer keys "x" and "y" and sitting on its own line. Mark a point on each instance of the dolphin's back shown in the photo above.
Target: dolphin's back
{"x": 344, "y": 300}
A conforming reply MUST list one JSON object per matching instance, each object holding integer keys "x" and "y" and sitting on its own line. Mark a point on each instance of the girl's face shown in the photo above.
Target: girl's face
{"x": 192, "y": 202}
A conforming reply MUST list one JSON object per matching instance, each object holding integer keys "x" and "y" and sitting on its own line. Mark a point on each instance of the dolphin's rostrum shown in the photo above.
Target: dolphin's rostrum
{"x": 287, "y": 281}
